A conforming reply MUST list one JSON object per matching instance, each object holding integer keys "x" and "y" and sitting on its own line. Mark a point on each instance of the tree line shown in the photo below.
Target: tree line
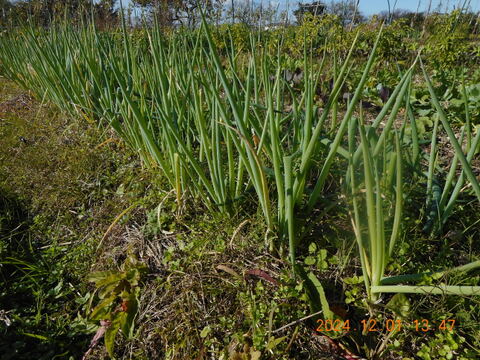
{"x": 186, "y": 12}
{"x": 44, "y": 12}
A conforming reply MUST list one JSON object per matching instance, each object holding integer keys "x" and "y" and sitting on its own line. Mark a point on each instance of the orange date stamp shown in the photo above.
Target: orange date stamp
{"x": 389, "y": 325}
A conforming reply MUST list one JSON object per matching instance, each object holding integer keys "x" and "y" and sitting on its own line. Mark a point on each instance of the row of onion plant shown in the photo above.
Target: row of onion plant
{"x": 220, "y": 127}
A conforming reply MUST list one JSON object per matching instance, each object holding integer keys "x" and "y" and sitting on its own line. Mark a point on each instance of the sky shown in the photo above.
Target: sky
{"x": 369, "y": 7}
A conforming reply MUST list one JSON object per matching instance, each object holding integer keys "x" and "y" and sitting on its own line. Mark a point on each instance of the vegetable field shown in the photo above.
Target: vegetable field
{"x": 227, "y": 192}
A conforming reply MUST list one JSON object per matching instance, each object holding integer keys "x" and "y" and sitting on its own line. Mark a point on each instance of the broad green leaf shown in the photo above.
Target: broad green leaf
{"x": 110, "y": 278}
{"x": 274, "y": 342}
{"x": 109, "y": 337}
{"x": 102, "y": 310}
{"x": 327, "y": 313}
{"x": 100, "y": 276}
{"x": 206, "y": 330}
{"x": 131, "y": 304}
{"x": 400, "y": 305}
